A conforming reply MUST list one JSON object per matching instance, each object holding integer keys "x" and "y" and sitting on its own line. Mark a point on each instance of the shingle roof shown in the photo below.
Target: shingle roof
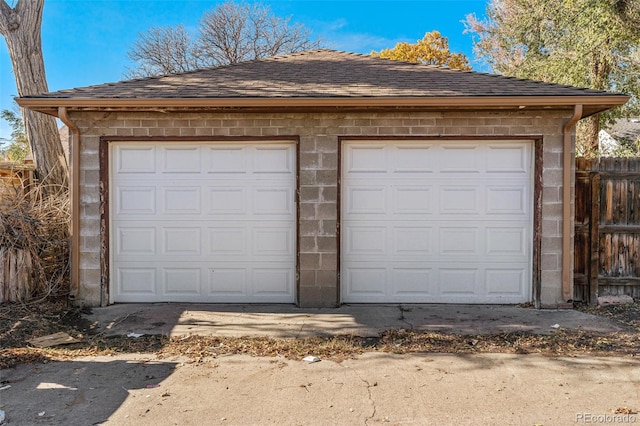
{"x": 325, "y": 74}
{"x": 627, "y": 129}
{"x": 324, "y": 79}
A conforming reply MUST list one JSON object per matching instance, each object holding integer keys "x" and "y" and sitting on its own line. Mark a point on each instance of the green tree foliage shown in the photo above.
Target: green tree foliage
{"x": 584, "y": 43}
{"x": 17, "y": 148}
{"x": 433, "y": 49}
{"x": 229, "y": 33}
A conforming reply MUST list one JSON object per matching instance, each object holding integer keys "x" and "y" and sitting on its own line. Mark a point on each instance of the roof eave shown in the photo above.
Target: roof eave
{"x": 591, "y": 104}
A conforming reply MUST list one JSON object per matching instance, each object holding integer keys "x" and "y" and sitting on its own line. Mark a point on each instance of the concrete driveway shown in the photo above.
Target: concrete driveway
{"x": 417, "y": 389}
{"x": 375, "y": 388}
{"x": 177, "y": 319}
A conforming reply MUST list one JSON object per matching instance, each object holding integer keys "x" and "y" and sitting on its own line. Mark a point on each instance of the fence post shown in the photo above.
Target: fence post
{"x": 594, "y": 236}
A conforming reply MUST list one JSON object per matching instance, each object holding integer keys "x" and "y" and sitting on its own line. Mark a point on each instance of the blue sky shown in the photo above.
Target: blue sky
{"x": 85, "y": 42}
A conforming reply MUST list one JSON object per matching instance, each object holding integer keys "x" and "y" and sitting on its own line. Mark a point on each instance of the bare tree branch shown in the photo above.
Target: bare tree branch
{"x": 163, "y": 50}
{"x": 228, "y": 34}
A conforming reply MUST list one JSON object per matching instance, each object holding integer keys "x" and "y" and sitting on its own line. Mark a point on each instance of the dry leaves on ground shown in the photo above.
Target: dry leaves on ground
{"x": 19, "y": 323}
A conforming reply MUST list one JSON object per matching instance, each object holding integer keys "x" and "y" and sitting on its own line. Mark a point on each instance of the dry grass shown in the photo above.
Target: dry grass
{"x": 626, "y": 314}
{"x": 20, "y": 322}
{"x": 35, "y": 224}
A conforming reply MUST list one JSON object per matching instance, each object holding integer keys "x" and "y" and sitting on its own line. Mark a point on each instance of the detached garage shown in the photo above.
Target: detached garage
{"x": 322, "y": 178}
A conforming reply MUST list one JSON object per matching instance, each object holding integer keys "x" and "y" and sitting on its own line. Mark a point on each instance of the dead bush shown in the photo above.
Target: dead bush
{"x": 34, "y": 242}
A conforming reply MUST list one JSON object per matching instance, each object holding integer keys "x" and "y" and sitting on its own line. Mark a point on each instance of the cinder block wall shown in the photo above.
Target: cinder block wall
{"x": 318, "y": 133}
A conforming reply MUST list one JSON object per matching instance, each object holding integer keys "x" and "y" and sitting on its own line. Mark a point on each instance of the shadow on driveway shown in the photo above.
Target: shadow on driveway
{"x": 141, "y": 389}
{"x": 83, "y": 391}
{"x": 288, "y": 321}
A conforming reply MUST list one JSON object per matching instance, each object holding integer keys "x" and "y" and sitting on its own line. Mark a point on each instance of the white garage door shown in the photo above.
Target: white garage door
{"x": 202, "y": 222}
{"x": 436, "y": 221}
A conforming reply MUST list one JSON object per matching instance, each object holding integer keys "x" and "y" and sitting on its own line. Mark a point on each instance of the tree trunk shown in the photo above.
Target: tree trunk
{"x": 587, "y": 136}
{"x": 588, "y": 130}
{"x": 21, "y": 28}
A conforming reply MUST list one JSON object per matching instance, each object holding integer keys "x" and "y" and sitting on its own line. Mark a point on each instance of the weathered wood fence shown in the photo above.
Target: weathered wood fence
{"x": 607, "y": 228}
{"x": 16, "y": 177}
{"x": 15, "y": 275}
{"x": 16, "y": 266}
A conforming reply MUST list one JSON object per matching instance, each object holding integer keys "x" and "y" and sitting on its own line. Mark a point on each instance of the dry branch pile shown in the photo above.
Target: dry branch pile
{"x": 34, "y": 243}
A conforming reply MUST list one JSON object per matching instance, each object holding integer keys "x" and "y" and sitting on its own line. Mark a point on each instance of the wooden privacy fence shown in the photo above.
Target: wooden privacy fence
{"x": 16, "y": 177}
{"x": 607, "y": 228}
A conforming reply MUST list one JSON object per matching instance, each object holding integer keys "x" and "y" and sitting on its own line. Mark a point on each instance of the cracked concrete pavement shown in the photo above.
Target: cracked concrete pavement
{"x": 375, "y": 388}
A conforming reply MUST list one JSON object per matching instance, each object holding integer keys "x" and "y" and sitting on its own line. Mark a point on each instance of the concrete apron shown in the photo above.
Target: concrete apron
{"x": 288, "y": 321}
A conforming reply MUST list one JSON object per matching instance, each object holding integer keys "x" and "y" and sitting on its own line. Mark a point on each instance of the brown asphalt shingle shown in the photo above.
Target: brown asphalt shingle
{"x": 321, "y": 74}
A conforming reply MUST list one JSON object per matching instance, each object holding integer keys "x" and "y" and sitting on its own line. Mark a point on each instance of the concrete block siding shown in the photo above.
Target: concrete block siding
{"x": 318, "y": 134}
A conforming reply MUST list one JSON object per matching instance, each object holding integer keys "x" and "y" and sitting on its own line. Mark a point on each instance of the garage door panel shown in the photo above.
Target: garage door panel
{"x": 226, "y": 240}
{"x": 367, "y": 200}
{"x": 436, "y": 282}
{"x": 227, "y": 282}
{"x": 459, "y": 159}
{"x": 503, "y": 241}
{"x": 413, "y": 200}
{"x": 459, "y": 241}
{"x": 225, "y": 159}
{"x": 135, "y": 240}
{"x": 227, "y": 201}
{"x": 273, "y": 201}
{"x": 366, "y": 240}
{"x": 273, "y": 241}
{"x": 208, "y": 203}
{"x": 410, "y": 282}
{"x": 459, "y": 199}
{"x": 506, "y": 282}
{"x": 507, "y": 200}
{"x": 181, "y": 281}
{"x": 183, "y": 159}
{"x": 412, "y": 159}
{"x": 273, "y": 159}
{"x": 508, "y": 159}
{"x": 131, "y": 280}
{"x": 179, "y": 200}
{"x": 459, "y": 281}
{"x": 135, "y": 200}
{"x": 458, "y": 230}
{"x": 412, "y": 240}
{"x": 366, "y": 282}
{"x": 367, "y": 159}
{"x": 181, "y": 241}
{"x": 135, "y": 160}
{"x": 272, "y": 281}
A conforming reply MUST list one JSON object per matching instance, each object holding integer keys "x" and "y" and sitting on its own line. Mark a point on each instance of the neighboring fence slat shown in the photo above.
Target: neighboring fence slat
{"x": 594, "y": 240}
{"x": 16, "y": 177}
{"x": 15, "y": 275}
{"x": 581, "y": 235}
{"x": 607, "y": 228}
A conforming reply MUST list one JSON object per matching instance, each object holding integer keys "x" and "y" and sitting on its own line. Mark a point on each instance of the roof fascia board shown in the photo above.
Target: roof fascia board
{"x": 47, "y": 104}
{"x": 337, "y": 101}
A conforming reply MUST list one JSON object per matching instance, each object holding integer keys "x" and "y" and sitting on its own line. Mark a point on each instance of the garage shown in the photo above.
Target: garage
{"x": 436, "y": 221}
{"x": 202, "y": 221}
{"x": 319, "y": 178}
